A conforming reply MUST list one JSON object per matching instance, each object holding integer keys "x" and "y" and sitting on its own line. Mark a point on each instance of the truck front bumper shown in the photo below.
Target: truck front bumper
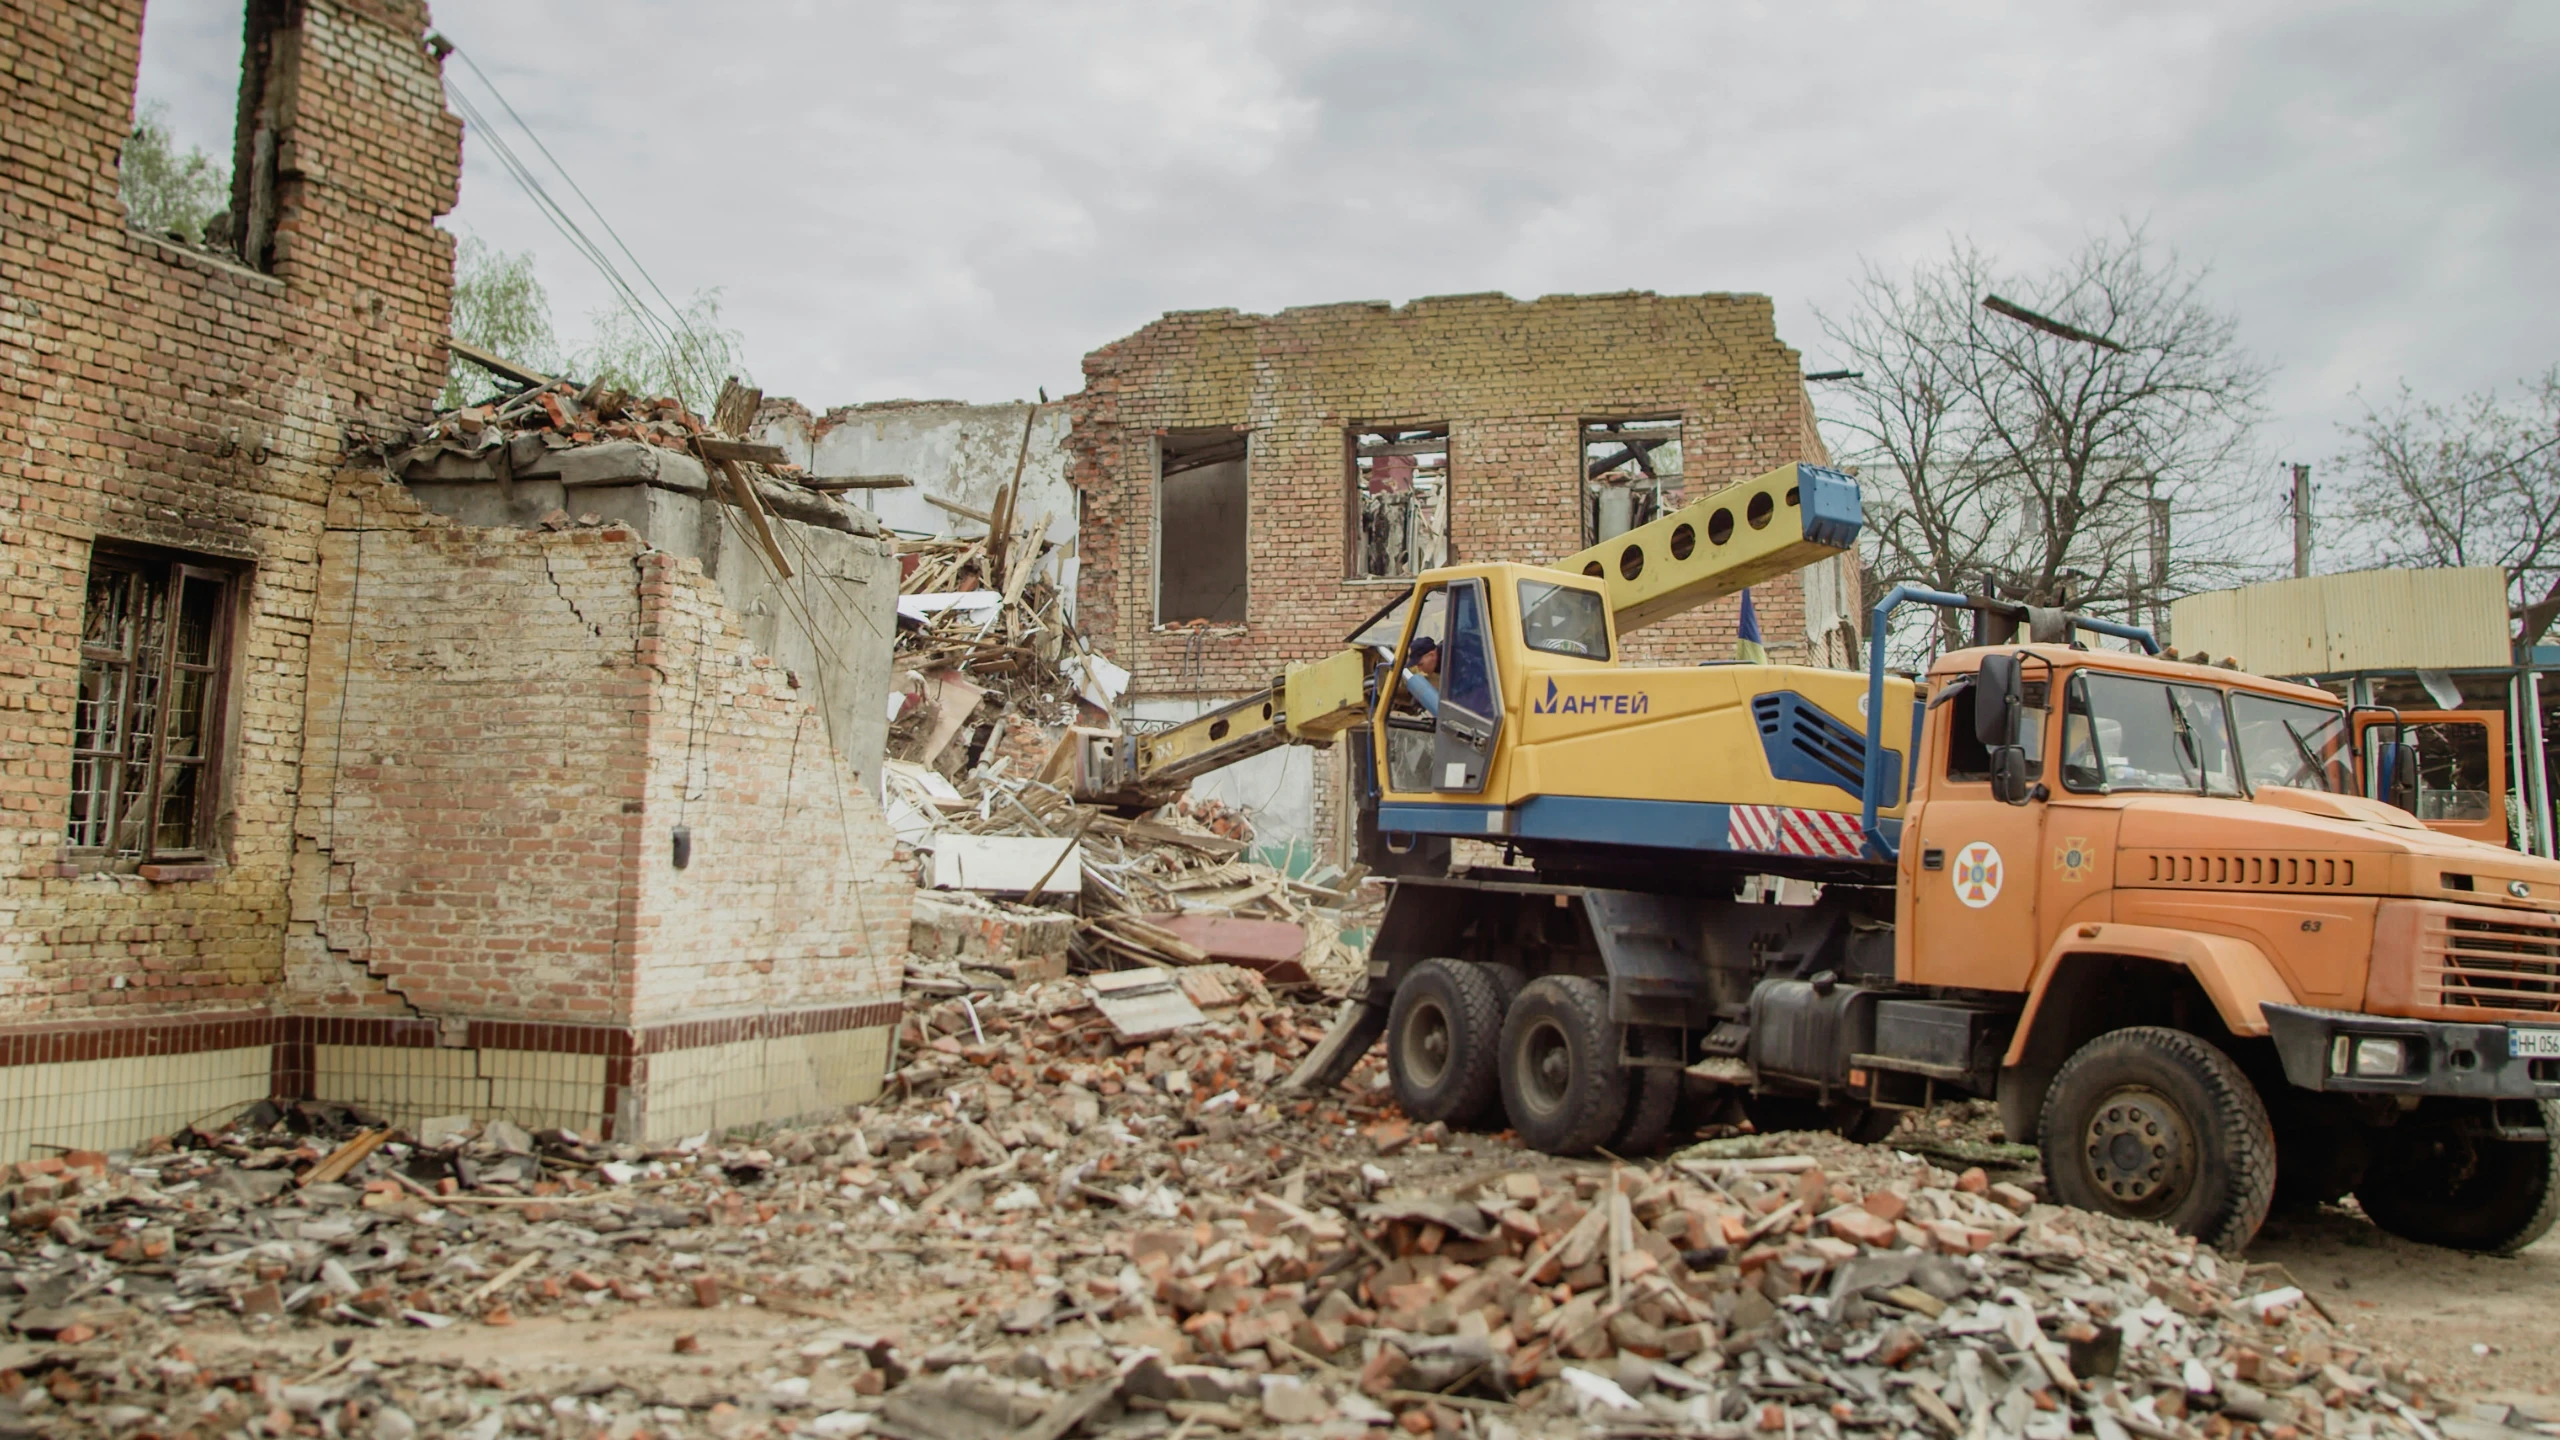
{"x": 2343, "y": 1051}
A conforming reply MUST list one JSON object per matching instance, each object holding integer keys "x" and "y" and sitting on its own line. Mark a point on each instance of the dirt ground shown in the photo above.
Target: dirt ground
{"x": 2479, "y": 1327}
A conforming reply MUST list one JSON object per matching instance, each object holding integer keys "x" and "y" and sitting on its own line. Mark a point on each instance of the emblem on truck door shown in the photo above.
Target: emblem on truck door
{"x": 2074, "y": 859}
{"x": 1977, "y": 875}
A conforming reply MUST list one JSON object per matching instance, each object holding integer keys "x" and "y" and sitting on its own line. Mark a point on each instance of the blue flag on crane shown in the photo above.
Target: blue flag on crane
{"x": 1746, "y": 646}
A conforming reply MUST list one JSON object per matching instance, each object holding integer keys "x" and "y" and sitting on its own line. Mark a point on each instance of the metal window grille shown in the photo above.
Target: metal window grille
{"x": 154, "y": 648}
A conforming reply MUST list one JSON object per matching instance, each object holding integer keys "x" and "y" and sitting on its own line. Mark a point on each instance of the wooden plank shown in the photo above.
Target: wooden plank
{"x": 831, "y": 483}
{"x": 963, "y": 511}
{"x": 345, "y": 1158}
{"x": 502, "y": 368}
{"x": 745, "y": 493}
{"x": 717, "y": 449}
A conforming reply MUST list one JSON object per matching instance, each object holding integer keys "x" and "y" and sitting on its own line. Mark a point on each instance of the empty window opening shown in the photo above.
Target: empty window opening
{"x": 1200, "y": 528}
{"x": 1630, "y": 475}
{"x": 1399, "y": 501}
{"x": 155, "y": 643}
{"x": 211, "y": 103}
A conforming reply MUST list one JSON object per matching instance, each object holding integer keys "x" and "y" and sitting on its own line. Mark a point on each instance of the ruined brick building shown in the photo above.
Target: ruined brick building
{"x": 1255, "y": 486}
{"x": 312, "y": 791}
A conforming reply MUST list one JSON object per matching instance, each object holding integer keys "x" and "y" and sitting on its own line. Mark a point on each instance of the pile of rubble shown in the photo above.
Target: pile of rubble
{"x": 997, "y": 687}
{"x": 1060, "y": 1220}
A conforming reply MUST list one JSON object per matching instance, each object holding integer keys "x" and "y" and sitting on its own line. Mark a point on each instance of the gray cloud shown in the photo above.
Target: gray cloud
{"x": 962, "y": 200}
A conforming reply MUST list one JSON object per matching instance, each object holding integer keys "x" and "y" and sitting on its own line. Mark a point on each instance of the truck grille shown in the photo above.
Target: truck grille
{"x": 2470, "y": 961}
{"x": 2222, "y": 868}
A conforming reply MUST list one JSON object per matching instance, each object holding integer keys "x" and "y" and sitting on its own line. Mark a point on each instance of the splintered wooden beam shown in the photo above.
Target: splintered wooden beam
{"x": 831, "y": 483}
{"x": 745, "y": 492}
{"x": 716, "y": 449}
{"x": 502, "y": 368}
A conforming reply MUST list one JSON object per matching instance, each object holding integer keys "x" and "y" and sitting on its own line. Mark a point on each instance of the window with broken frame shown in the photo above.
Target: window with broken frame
{"x": 1399, "y": 480}
{"x": 1630, "y": 474}
{"x": 155, "y": 653}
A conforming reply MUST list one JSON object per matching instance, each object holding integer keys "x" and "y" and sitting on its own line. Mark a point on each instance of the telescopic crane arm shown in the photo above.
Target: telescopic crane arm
{"x": 1708, "y": 549}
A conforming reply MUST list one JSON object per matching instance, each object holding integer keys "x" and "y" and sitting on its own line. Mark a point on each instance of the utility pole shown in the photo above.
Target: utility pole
{"x": 2301, "y": 522}
{"x": 2158, "y": 510}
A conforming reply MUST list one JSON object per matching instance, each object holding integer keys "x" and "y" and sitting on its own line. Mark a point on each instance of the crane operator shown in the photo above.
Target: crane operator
{"x": 1422, "y": 673}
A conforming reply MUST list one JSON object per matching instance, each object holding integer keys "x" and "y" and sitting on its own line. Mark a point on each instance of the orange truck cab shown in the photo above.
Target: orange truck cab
{"x": 2138, "y": 847}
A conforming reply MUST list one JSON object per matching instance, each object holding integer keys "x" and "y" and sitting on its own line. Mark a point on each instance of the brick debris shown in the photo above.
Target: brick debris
{"x": 1046, "y": 1229}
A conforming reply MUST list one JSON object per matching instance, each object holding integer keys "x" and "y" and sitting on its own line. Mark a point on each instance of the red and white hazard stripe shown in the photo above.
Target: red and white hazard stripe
{"x": 1794, "y": 830}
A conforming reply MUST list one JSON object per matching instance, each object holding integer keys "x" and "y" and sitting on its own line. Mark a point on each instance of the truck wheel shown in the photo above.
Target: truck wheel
{"x": 1653, "y": 1095}
{"x": 2155, "y": 1124}
{"x": 1444, "y": 1037}
{"x": 2437, "y": 1186}
{"x": 1561, "y": 1082}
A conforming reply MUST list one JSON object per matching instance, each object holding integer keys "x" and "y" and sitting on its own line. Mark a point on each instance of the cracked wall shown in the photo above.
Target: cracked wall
{"x": 506, "y": 730}
{"x": 162, "y": 395}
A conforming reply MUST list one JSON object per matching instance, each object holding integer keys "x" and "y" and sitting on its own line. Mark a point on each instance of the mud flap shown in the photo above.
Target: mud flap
{"x": 1353, "y": 1032}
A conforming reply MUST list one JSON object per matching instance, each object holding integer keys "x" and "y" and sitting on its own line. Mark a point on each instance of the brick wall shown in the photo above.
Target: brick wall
{"x": 159, "y": 395}
{"x": 498, "y": 759}
{"x": 1513, "y": 380}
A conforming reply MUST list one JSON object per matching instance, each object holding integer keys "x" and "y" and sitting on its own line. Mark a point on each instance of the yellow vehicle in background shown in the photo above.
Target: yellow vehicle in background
{"x": 2154, "y": 908}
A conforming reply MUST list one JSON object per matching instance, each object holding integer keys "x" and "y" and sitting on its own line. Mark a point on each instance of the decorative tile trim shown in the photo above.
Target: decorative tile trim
{"x": 765, "y": 1025}
{"x": 122, "y": 1040}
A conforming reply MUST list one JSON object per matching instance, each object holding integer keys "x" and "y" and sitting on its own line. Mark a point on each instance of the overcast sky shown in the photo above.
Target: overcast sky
{"x": 960, "y": 200}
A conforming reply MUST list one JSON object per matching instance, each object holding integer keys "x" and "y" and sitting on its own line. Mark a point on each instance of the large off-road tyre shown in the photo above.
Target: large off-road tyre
{"x": 1562, "y": 1085}
{"x": 1653, "y": 1093}
{"x": 2432, "y": 1184}
{"x": 1864, "y": 1124}
{"x": 1444, "y": 1042}
{"x": 2155, "y": 1124}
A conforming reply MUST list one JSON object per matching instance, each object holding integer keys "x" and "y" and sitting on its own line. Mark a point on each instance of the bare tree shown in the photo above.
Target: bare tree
{"x": 2049, "y": 453}
{"x": 2474, "y": 483}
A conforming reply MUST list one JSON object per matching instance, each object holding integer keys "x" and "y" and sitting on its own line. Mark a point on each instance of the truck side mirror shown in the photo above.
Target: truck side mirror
{"x": 1998, "y": 694}
{"x": 2009, "y": 784}
{"x": 2400, "y": 776}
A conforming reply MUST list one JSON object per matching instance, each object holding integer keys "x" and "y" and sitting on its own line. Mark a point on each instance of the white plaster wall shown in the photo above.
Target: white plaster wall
{"x": 1276, "y": 788}
{"x": 959, "y": 452}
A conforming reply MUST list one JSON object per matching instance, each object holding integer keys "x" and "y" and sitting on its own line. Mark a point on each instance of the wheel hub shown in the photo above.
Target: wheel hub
{"x": 2139, "y": 1149}
{"x": 1546, "y": 1074}
{"x": 1427, "y": 1042}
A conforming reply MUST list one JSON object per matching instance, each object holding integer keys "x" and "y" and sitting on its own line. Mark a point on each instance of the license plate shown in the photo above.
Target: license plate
{"x": 2534, "y": 1044}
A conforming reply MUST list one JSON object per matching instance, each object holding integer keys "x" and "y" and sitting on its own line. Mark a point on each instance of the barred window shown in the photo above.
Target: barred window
{"x": 154, "y": 654}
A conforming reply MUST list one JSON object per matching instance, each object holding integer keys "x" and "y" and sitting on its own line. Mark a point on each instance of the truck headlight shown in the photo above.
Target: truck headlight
{"x": 2368, "y": 1056}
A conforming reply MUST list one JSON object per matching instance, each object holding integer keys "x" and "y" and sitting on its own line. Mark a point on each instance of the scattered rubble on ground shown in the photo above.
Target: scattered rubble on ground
{"x": 1044, "y": 1228}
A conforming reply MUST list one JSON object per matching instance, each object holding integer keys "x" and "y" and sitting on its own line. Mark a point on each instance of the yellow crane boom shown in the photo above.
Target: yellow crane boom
{"x": 1703, "y": 551}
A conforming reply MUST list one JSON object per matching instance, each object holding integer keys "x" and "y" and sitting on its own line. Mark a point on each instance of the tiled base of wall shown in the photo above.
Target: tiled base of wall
{"x": 113, "y": 1104}
{"x": 748, "y": 1082}
{"x": 405, "y": 1085}
{"x": 106, "y": 1087}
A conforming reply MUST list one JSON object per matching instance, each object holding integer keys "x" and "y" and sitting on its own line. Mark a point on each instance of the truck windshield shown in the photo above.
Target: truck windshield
{"x": 1563, "y": 620}
{"x": 2285, "y": 742}
{"x": 2123, "y": 733}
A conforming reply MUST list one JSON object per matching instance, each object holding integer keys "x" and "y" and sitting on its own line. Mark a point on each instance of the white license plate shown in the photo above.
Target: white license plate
{"x": 2535, "y": 1044}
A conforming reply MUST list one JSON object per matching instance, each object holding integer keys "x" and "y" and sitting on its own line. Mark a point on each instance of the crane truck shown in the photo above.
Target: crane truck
{"x": 2167, "y": 915}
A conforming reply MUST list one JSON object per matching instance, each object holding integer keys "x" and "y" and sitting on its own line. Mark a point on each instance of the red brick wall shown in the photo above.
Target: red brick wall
{"x": 497, "y": 762}
{"x": 1513, "y": 380}
{"x": 156, "y": 395}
